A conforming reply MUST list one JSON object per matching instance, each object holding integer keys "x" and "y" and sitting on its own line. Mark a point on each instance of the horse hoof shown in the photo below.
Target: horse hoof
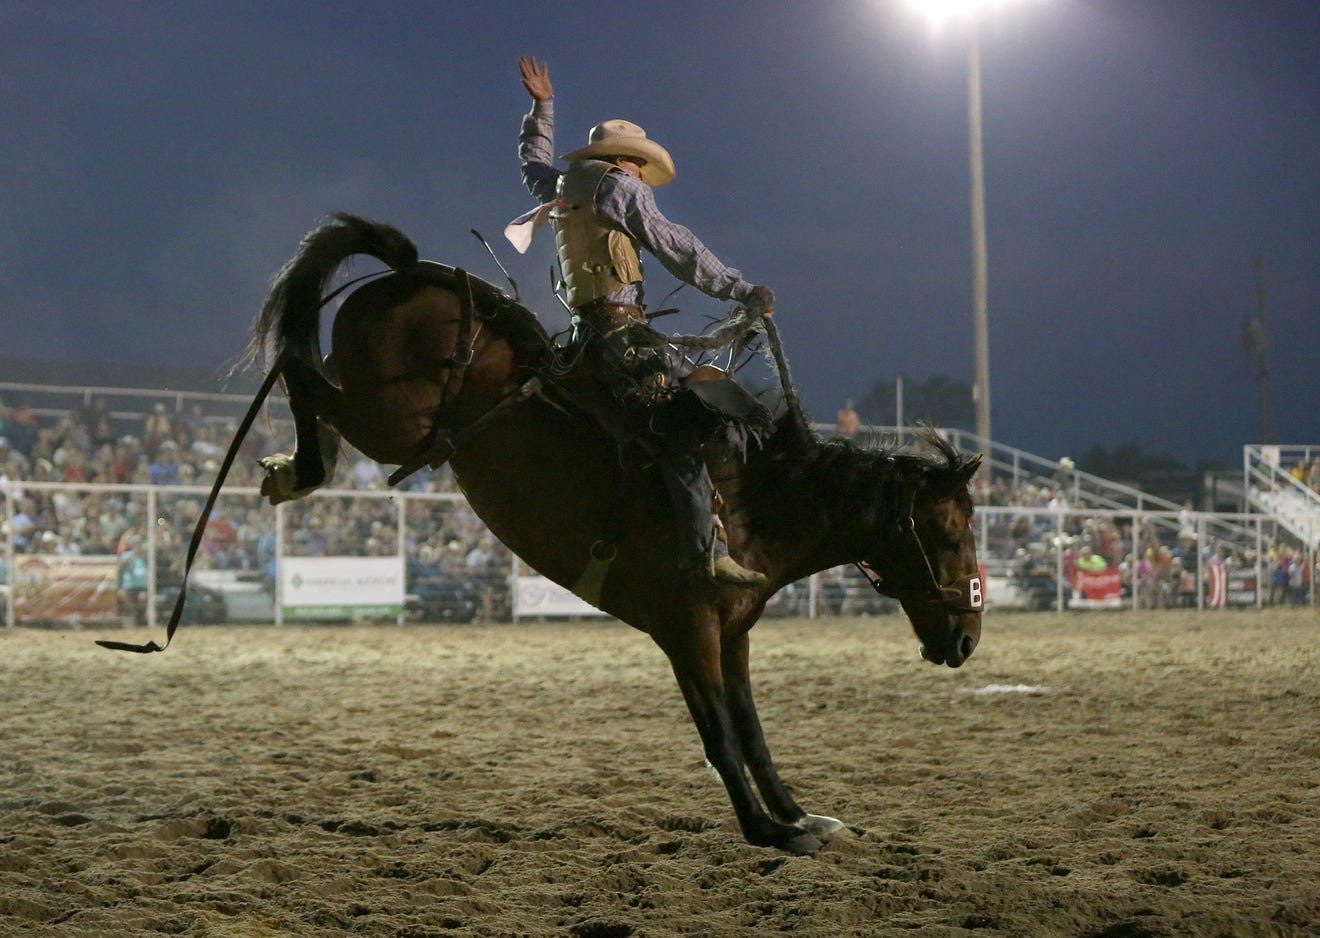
{"x": 802, "y": 845}
{"x": 277, "y": 485}
{"x": 818, "y": 825}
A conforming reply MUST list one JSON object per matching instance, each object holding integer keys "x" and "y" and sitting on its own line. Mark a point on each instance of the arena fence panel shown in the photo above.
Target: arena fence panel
{"x": 96, "y": 554}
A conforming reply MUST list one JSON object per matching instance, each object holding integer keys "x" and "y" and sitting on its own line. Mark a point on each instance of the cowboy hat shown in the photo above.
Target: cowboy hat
{"x": 624, "y": 138}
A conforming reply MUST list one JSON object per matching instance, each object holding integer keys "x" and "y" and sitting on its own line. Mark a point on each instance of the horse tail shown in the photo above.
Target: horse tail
{"x": 289, "y": 321}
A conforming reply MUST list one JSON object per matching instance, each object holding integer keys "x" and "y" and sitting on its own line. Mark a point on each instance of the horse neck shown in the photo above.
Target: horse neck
{"x": 829, "y": 507}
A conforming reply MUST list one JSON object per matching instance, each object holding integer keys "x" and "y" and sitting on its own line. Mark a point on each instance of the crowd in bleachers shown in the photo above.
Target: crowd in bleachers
{"x": 170, "y": 450}
{"x": 1308, "y": 474}
{"x": 1161, "y": 566}
{"x": 446, "y": 546}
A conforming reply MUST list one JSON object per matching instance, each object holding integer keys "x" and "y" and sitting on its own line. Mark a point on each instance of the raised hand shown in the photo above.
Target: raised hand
{"x": 536, "y": 78}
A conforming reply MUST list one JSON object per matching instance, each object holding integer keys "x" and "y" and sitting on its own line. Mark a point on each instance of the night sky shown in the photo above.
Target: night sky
{"x": 163, "y": 159}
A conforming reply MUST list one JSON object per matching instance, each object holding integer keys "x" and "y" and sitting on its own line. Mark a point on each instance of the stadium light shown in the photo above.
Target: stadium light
{"x": 939, "y": 12}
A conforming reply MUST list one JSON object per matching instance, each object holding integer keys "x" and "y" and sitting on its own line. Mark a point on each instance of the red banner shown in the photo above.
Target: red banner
{"x": 51, "y": 588}
{"x": 1216, "y": 586}
{"x": 1097, "y": 589}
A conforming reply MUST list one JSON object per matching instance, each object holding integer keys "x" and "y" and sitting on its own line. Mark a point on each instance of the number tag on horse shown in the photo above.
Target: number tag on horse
{"x": 975, "y": 593}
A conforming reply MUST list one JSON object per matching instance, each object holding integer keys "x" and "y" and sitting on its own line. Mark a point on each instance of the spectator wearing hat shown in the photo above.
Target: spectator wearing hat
{"x": 164, "y": 469}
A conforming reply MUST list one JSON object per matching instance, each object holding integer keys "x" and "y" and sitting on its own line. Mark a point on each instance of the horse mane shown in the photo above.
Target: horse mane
{"x": 868, "y": 481}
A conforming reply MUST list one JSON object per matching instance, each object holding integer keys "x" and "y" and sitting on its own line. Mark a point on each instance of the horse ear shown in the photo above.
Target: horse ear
{"x": 957, "y": 477}
{"x": 969, "y": 469}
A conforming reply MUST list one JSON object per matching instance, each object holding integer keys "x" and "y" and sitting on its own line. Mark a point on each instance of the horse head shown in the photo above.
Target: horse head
{"x": 926, "y": 556}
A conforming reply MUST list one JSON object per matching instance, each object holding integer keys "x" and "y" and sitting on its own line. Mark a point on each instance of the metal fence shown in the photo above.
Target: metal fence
{"x": 1038, "y": 558}
{"x": 115, "y": 553}
{"x": 81, "y": 554}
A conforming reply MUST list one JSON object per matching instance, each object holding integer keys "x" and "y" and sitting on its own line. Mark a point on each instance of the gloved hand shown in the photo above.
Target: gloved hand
{"x": 762, "y": 301}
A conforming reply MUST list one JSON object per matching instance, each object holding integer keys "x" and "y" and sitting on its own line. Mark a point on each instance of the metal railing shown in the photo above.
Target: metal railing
{"x": 1020, "y": 467}
{"x": 1274, "y": 489}
{"x": 456, "y": 571}
{"x": 1037, "y": 558}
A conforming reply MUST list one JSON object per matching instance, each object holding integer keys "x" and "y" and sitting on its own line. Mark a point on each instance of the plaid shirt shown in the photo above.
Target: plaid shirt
{"x": 628, "y": 204}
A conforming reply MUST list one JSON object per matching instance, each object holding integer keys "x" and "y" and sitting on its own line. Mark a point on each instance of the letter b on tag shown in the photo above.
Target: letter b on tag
{"x": 975, "y": 595}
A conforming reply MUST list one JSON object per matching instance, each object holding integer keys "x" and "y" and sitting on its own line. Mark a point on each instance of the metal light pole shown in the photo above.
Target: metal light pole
{"x": 980, "y": 318}
{"x": 938, "y": 11}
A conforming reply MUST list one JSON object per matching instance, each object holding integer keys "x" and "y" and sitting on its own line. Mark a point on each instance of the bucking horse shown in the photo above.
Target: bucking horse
{"x": 430, "y": 364}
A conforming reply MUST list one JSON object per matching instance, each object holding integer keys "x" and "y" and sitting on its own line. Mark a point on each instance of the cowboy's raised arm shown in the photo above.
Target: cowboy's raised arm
{"x": 630, "y": 204}
{"x": 536, "y": 142}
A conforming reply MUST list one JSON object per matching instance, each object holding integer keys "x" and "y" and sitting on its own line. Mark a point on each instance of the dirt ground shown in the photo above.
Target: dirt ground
{"x": 1105, "y": 775}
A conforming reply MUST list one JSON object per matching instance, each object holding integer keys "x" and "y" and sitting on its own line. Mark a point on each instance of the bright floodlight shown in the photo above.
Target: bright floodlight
{"x": 941, "y": 11}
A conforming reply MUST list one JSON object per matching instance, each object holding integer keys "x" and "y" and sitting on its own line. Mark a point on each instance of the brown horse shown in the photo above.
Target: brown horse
{"x": 428, "y": 364}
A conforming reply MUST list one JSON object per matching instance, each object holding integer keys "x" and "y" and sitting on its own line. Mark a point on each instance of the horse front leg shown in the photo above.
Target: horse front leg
{"x": 696, "y": 665}
{"x": 734, "y": 661}
{"x": 316, "y": 444}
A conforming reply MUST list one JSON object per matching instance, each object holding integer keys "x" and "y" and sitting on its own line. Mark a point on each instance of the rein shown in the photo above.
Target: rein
{"x": 965, "y": 594}
{"x": 246, "y": 424}
{"x": 200, "y": 529}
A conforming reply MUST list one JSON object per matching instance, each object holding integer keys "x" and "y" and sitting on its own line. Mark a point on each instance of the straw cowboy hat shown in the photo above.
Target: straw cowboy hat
{"x": 624, "y": 138}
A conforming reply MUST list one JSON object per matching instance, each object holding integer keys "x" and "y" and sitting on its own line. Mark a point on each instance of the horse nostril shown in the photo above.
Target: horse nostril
{"x": 966, "y": 646}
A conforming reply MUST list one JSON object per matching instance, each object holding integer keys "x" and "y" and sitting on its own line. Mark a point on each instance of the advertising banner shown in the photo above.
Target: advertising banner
{"x": 54, "y": 588}
{"x": 537, "y": 596}
{"x": 341, "y": 587}
{"x": 1097, "y": 589}
{"x": 1241, "y": 588}
{"x": 1229, "y": 587}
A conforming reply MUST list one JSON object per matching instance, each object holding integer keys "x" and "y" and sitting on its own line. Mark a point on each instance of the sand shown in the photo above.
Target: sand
{"x": 1106, "y": 775}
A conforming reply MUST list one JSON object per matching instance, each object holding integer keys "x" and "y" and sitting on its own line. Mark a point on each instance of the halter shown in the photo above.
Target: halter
{"x": 965, "y": 594}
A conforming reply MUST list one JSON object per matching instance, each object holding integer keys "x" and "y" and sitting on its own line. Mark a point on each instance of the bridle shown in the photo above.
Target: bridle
{"x": 965, "y": 594}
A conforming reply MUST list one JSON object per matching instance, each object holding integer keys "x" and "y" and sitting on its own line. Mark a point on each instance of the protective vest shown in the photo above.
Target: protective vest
{"x": 593, "y": 259}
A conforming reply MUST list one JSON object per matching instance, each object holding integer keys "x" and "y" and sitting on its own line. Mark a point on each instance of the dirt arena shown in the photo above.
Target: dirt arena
{"x": 1108, "y": 775}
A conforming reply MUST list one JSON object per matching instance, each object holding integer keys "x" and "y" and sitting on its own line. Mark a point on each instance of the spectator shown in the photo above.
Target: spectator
{"x": 219, "y": 538}
{"x": 481, "y": 557}
{"x": 204, "y": 443}
{"x": 133, "y": 579}
{"x": 1090, "y": 561}
{"x": 22, "y": 426}
{"x": 103, "y": 431}
{"x": 14, "y": 465}
{"x": 75, "y": 468}
{"x": 156, "y": 429}
{"x": 367, "y": 474}
{"x": 164, "y": 469}
{"x": 24, "y": 524}
{"x": 1299, "y": 579}
{"x": 1280, "y": 576}
{"x": 848, "y": 422}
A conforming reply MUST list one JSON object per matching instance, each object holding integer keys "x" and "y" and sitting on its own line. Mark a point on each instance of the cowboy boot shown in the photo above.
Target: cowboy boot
{"x": 725, "y": 569}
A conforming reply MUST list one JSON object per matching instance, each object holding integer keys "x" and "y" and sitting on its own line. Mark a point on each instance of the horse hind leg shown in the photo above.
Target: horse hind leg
{"x": 316, "y": 443}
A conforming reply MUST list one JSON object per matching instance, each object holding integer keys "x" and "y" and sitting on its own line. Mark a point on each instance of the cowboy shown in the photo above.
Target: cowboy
{"x": 602, "y": 210}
